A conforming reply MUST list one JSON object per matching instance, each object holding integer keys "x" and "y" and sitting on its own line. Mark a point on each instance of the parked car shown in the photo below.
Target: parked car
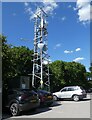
{"x": 21, "y": 100}
{"x": 46, "y": 98}
{"x": 72, "y": 92}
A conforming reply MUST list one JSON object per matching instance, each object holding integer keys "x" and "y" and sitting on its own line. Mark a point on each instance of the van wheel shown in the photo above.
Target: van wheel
{"x": 14, "y": 109}
{"x": 76, "y": 98}
{"x": 55, "y": 97}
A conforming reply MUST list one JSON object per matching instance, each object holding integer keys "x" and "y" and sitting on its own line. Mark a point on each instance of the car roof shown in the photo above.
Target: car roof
{"x": 71, "y": 86}
{"x": 42, "y": 91}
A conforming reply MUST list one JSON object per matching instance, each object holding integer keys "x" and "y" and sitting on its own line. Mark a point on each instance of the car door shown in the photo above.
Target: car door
{"x": 70, "y": 92}
{"x": 63, "y": 93}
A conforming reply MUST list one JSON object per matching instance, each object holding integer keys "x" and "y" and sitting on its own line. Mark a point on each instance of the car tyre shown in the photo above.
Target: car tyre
{"x": 14, "y": 109}
{"x": 55, "y": 98}
{"x": 76, "y": 98}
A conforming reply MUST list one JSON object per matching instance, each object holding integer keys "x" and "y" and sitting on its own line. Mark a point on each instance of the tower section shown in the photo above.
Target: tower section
{"x": 40, "y": 75}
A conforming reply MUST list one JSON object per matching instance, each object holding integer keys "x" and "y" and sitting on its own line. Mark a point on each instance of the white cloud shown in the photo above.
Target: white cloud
{"x": 57, "y": 45}
{"x": 28, "y": 10}
{"x": 68, "y": 52}
{"x": 69, "y": 6}
{"x": 74, "y": 8}
{"x": 63, "y": 18}
{"x": 77, "y": 49}
{"x": 84, "y": 10}
{"x": 84, "y": 14}
{"x": 14, "y": 14}
{"x": 82, "y": 3}
{"x": 50, "y": 3}
{"x": 23, "y": 39}
{"x": 26, "y": 3}
{"x": 48, "y": 7}
{"x": 78, "y": 59}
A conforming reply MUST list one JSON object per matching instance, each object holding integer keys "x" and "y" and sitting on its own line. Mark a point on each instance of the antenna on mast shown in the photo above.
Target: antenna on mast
{"x": 40, "y": 75}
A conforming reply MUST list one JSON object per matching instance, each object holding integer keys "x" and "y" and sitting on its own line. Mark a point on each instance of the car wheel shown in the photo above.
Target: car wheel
{"x": 76, "y": 98}
{"x": 55, "y": 97}
{"x": 14, "y": 109}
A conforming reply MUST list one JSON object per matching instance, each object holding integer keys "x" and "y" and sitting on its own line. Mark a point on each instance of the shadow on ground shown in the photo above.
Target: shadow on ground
{"x": 86, "y": 99}
{"x": 6, "y": 114}
{"x": 56, "y": 103}
{"x": 41, "y": 109}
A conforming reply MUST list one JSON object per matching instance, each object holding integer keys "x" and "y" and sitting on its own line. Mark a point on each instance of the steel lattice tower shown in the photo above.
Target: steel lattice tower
{"x": 40, "y": 75}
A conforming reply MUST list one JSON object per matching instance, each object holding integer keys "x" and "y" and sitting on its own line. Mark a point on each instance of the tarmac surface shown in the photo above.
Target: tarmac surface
{"x": 59, "y": 109}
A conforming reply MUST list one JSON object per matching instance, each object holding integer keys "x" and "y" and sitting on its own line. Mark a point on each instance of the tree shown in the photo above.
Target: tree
{"x": 16, "y": 61}
{"x": 75, "y": 74}
{"x": 89, "y": 76}
{"x": 6, "y": 63}
{"x": 90, "y": 69}
{"x": 66, "y": 74}
{"x": 90, "y": 72}
{"x": 21, "y": 61}
{"x": 57, "y": 73}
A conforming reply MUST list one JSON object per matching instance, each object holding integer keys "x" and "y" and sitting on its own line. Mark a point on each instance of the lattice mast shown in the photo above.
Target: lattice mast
{"x": 40, "y": 75}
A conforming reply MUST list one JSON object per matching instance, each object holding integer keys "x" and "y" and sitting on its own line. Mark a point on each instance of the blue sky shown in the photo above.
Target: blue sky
{"x": 68, "y": 28}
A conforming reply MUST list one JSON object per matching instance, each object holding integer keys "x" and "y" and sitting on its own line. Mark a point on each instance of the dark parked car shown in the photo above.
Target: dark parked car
{"x": 21, "y": 100}
{"x": 46, "y": 98}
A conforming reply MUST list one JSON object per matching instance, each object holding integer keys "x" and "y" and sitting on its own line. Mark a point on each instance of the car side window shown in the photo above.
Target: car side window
{"x": 63, "y": 90}
{"x": 70, "y": 89}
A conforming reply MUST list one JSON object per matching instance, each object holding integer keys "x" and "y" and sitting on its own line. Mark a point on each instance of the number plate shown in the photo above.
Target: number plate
{"x": 50, "y": 97}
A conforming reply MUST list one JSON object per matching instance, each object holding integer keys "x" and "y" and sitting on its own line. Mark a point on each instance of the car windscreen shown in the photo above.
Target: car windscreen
{"x": 26, "y": 91}
{"x": 42, "y": 91}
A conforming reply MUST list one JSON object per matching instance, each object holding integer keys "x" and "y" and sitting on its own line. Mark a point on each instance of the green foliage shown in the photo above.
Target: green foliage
{"x": 57, "y": 73}
{"x": 6, "y": 55}
{"x": 21, "y": 60}
{"x": 90, "y": 83}
{"x": 90, "y": 72}
{"x": 16, "y": 61}
{"x": 90, "y": 69}
{"x": 67, "y": 73}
